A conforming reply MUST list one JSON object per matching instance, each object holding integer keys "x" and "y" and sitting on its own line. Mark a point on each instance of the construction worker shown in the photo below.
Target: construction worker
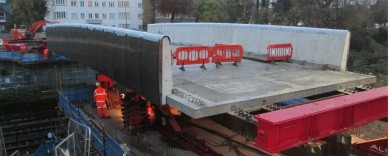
{"x": 100, "y": 96}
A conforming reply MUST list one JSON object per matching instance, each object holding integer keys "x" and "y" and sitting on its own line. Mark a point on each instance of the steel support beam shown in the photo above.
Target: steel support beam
{"x": 287, "y": 128}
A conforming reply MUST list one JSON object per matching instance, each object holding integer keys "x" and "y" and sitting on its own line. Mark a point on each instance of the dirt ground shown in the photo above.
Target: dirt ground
{"x": 373, "y": 130}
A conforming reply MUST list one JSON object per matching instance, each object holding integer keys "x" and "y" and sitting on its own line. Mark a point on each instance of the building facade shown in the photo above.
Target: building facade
{"x": 116, "y": 13}
{"x": 5, "y": 12}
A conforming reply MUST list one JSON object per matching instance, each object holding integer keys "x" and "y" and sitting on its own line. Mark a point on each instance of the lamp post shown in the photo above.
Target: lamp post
{"x": 127, "y": 27}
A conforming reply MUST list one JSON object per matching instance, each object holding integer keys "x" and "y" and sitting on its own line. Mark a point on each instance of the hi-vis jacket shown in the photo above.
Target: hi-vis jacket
{"x": 100, "y": 96}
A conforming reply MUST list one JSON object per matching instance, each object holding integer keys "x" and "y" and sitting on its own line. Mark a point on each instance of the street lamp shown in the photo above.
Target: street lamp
{"x": 127, "y": 27}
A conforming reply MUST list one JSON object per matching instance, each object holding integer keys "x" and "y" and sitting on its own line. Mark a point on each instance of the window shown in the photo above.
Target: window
{"x": 73, "y": 3}
{"x": 96, "y": 15}
{"x": 103, "y": 4}
{"x": 82, "y": 15}
{"x": 126, "y": 26}
{"x": 96, "y": 4}
{"x": 139, "y": 5}
{"x": 140, "y": 27}
{"x": 123, "y": 15}
{"x": 89, "y": 3}
{"x": 74, "y": 15}
{"x": 59, "y": 15}
{"x": 112, "y": 15}
{"x": 113, "y": 25}
{"x": 123, "y": 3}
{"x": 111, "y": 4}
{"x": 90, "y": 16}
{"x": 139, "y": 16}
{"x": 82, "y": 3}
{"x": 59, "y": 2}
{"x": 104, "y": 15}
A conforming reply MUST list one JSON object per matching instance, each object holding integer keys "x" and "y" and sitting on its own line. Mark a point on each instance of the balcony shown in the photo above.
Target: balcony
{"x": 94, "y": 21}
{"x": 2, "y": 19}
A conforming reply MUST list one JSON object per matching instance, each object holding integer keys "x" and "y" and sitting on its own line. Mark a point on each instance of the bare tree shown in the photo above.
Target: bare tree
{"x": 175, "y": 7}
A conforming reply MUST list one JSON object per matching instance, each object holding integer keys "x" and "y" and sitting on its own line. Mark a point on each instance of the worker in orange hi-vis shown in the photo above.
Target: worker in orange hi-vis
{"x": 45, "y": 54}
{"x": 100, "y": 96}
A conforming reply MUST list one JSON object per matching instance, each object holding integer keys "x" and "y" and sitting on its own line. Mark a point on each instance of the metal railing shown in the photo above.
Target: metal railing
{"x": 66, "y": 147}
{"x": 3, "y": 151}
{"x": 82, "y": 136}
{"x": 103, "y": 142}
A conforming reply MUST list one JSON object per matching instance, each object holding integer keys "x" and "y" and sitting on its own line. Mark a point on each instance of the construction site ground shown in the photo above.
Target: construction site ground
{"x": 370, "y": 131}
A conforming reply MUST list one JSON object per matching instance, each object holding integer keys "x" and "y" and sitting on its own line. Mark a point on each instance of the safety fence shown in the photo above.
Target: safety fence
{"x": 204, "y": 54}
{"x": 279, "y": 52}
{"x": 3, "y": 151}
{"x": 104, "y": 143}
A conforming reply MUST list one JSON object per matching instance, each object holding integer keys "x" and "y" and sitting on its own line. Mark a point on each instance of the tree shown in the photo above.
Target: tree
{"x": 264, "y": 11}
{"x": 153, "y": 3}
{"x": 27, "y": 12}
{"x": 379, "y": 11}
{"x": 257, "y": 13}
{"x": 281, "y": 12}
{"x": 209, "y": 11}
{"x": 232, "y": 11}
{"x": 174, "y": 7}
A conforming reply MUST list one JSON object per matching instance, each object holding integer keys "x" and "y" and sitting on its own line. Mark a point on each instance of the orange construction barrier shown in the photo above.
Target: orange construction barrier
{"x": 193, "y": 55}
{"x": 279, "y": 52}
{"x": 227, "y": 53}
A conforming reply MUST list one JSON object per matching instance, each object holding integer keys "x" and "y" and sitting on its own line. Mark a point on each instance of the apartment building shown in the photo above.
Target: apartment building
{"x": 116, "y": 13}
{"x": 5, "y": 11}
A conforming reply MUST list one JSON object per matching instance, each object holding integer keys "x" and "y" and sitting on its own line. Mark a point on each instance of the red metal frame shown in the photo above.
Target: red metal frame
{"x": 227, "y": 53}
{"x": 193, "y": 55}
{"x": 13, "y": 47}
{"x": 279, "y": 52}
{"x": 287, "y": 128}
{"x": 105, "y": 81}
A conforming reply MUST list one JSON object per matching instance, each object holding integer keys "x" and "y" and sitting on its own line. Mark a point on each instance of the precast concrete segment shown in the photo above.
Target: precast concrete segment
{"x": 314, "y": 45}
{"x": 201, "y": 93}
{"x": 137, "y": 60}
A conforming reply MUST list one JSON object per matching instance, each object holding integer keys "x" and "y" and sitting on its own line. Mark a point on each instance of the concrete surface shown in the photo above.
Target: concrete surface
{"x": 314, "y": 45}
{"x": 201, "y": 93}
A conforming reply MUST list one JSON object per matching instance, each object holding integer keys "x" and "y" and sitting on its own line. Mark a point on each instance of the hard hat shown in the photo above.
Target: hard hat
{"x": 97, "y": 84}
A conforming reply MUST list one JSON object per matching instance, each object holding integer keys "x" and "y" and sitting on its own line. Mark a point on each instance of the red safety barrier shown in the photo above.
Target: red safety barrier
{"x": 291, "y": 127}
{"x": 227, "y": 53}
{"x": 193, "y": 55}
{"x": 279, "y": 52}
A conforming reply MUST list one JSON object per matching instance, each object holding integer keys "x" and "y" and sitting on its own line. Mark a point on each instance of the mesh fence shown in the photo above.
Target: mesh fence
{"x": 66, "y": 147}
{"x": 3, "y": 151}
{"x": 82, "y": 137}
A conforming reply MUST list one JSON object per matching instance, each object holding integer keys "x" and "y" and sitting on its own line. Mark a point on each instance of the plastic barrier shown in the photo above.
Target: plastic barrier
{"x": 227, "y": 53}
{"x": 193, "y": 55}
{"x": 202, "y": 54}
{"x": 279, "y": 52}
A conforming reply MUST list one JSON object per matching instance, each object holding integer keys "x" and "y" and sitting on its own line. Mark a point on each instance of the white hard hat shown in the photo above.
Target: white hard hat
{"x": 97, "y": 84}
